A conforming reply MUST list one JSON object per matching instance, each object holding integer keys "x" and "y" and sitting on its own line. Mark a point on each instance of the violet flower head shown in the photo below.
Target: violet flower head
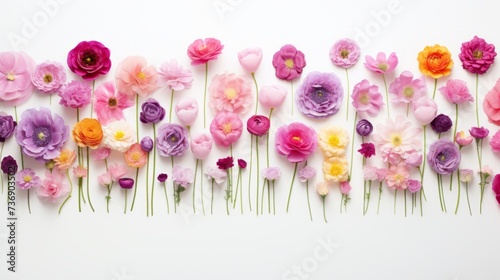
{"x": 172, "y": 140}
{"x": 441, "y": 123}
{"x": 345, "y": 53}
{"x": 306, "y": 173}
{"x": 9, "y": 165}
{"x": 126, "y": 183}
{"x": 413, "y": 185}
{"x": 364, "y": 127}
{"x": 479, "y": 132}
{"x": 320, "y": 95}
{"x": 152, "y": 111}
{"x": 147, "y": 144}
{"x": 443, "y": 157}
{"x": 225, "y": 163}
{"x": 477, "y": 56}
{"x": 271, "y": 173}
{"x": 162, "y": 177}
{"x": 367, "y": 150}
{"x": 7, "y": 125}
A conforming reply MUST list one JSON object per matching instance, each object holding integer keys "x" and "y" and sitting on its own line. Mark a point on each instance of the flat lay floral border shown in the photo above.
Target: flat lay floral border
{"x": 66, "y": 147}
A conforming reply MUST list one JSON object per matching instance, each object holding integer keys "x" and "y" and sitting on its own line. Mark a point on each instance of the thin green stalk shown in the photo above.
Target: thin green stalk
{"x": 341, "y": 201}
{"x": 348, "y": 91}
{"x": 386, "y": 96}
{"x": 423, "y": 161}
{"x": 308, "y": 202}
{"x": 456, "y": 124}
{"x": 194, "y": 185}
{"x": 291, "y": 83}
{"x": 166, "y": 199}
{"x": 267, "y": 138}
{"x": 171, "y": 105}
{"x": 1, "y": 153}
{"x": 440, "y": 195}
{"x": 256, "y": 93}
{"x": 238, "y": 178}
{"x": 29, "y": 204}
{"x": 458, "y": 197}
{"x": 250, "y": 173}
{"x": 135, "y": 188}
{"x": 352, "y": 146}
{"x": 205, "y": 97}
{"x": 201, "y": 188}
{"x": 257, "y": 186}
{"x": 451, "y": 181}
{"x": 324, "y": 210}
{"x": 70, "y": 191}
{"x": 467, "y": 193}
{"x": 269, "y": 197}
{"x": 108, "y": 197}
{"x": 126, "y": 196}
{"x": 173, "y": 184}
{"x": 274, "y": 200}
{"x": 20, "y": 148}
{"x": 154, "y": 170}
{"x": 291, "y": 186}
{"x": 435, "y": 86}
{"x": 241, "y": 195}
{"x": 87, "y": 180}
{"x": 477, "y": 99}
{"x": 479, "y": 149}
{"x": 262, "y": 198}
{"x": 79, "y": 194}
{"x": 228, "y": 192}
{"x": 368, "y": 195}
{"x": 147, "y": 186}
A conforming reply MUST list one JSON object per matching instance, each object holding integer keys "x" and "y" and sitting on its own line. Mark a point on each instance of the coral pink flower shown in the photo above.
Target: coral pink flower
{"x": 296, "y": 141}
{"x": 456, "y": 91}
{"x": 425, "y": 110}
{"x": 226, "y": 128}
{"x": 250, "y": 59}
{"x": 406, "y": 89}
{"x": 495, "y": 142}
{"x": 109, "y": 103}
{"x": 398, "y": 137}
{"x": 367, "y": 98}
{"x": 202, "y": 51}
{"x": 288, "y": 62}
{"x": 135, "y": 156}
{"x": 80, "y": 171}
{"x": 381, "y": 64}
{"x": 174, "y": 76}
{"x": 491, "y": 104}
{"x": 15, "y": 77}
{"x": 134, "y": 76}
{"x": 52, "y": 187}
{"x": 230, "y": 93}
{"x": 397, "y": 177}
{"x": 272, "y": 96}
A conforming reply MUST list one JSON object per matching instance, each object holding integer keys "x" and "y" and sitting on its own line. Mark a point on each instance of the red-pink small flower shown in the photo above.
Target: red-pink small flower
{"x": 367, "y": 150}
{"x": 202, "y": 51}
{"x": 456, "y": 91}
{"x": 89, "y": 59}
{"x": 230, "y": 93}
{"x": 135, "y": 76}
{"x": 226, "y": 128}
{"x": 345, "y": 187}
{"x": 366, "y": 98}
{"x": 405, "y": 89}
{"x": 381, "y": 64}
{"x": 296, "y": 141}
{"x": 288, "y": 62}
{"x": 477, "y": 56}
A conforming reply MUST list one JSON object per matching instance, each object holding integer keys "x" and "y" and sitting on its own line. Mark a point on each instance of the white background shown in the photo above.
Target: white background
{"x": 185, "y": 246}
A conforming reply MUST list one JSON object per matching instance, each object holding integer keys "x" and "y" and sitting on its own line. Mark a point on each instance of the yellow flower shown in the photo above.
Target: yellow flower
{"x": 65, "y": 159}
{"x": 335, "y": 169}
{"x": 333, "y": 141}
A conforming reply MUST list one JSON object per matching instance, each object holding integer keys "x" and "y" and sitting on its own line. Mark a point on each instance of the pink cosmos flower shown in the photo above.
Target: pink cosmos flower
{"x": 425, "y": 110}
{"x": 134, "y": 76}
{"x": 15, "y": 77}
{"x": 345, "y": 53}
{"x": 397, "y": 177}
{"x": 187, "y": 111}
{"x": 226, "y": 128}
{"x": 272, "y": 96}
{"x": 288, "y": 62}
{"x": 230, "y": 93}
{"x": 495, "y": 142}
{"x": 174, "y": 76}
{"x": 398, "y": 137}
{"x": 109, "y": 103}
{"x": 48, "y": 77}
{"x": 381, "y": 64}
{"x": 406, "y": 89}
{"x": 367, "y": 98}
{"x": 202, "y": 51}
{"x": 456, "y": 91}
{"x": 296, "y": 141}
{"x": 52, "y": 187}
{"x": 117, "y": 171}
{"x": 250, "y": 59}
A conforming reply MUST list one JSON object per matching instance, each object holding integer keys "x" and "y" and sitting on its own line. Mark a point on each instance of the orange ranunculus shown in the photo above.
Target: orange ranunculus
{"x": 135, "y": 156}
{"x": 435, "y": 61}
{"x": 87, "y": 133}
{"x": 65, "y": 159}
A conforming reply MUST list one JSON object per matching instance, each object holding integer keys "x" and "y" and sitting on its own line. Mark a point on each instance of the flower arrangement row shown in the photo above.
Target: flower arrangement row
{"x": 50, "y": 139}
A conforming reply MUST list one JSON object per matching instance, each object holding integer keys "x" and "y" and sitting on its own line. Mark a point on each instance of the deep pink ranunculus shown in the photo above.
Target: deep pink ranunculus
{"x": 258, "y": 125}
{"x": 202, "y": 51}
{"x": 288, "y": 62}
{"x": 89, "y": 60}
{"x": 296, "y": 141}
{"x": 477, "y": 56}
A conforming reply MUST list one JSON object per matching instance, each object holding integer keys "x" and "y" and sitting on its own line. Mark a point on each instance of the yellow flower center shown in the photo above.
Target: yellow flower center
{"x": 136, "y": 156}
{"x": 442, "y": 158}
{"x": 477, "y": 54}
{"x": 461, "y": 134}
{"x": 226, "y": 128}
{"x": 41, "y": 136}
{"x": 11, "y": 77}
{"x": 63, "y": 156}
{"x": 230, "y": 93}
{"x": 27, "y": 178}
{"x": 344, "y": 53}
{"x": 119, "y": 135}
{"x": 88, "y": 59}
{"x": 296, "y": 138}
{"x": 47, "y": 78}
{"x": 336, "y": 169}
{"x": 364, "y": 98}
{"x": 173, "y": 139}
{"x": 396, "y": 140}
{"x": 289, "y": 63}
{"x": 398, "y": 178}
{"x": 141, "y": 75}
{"x": 383, "y": 66}
{"x": 408, "y": 92}
{"x": 334, "y": 140}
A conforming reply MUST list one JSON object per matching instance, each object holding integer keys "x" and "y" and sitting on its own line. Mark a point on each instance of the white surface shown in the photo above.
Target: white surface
{"x": 185, "y": 246}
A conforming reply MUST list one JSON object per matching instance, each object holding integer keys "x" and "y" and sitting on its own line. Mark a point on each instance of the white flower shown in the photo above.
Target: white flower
{"x": 119, "y": 136}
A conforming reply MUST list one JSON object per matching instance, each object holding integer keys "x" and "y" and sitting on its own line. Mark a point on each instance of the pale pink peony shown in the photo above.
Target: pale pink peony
{"x": 456, "y": 91}
{"x": 397, "y": 177}
{"x": 226, "y": 128}
{"x": 174, "y": 76}
{"x": 250, "y": 59}
{"x": 117, "y": 171}
{"x": 272, "y": 96}
{"x": 52, "y": 187}
{"x": 425, "y": 110}
{"x": 366, "y": 98}
{"x": 230, "y": 93}
{"x": 101, "y": 153}
{"x": 134, "y": 76}
{"x": 109, "y": 103}
{"x": 15, "y": 77}
{"x": 405, "y": 89}
{"x": 370, "y": 173}
{"x": 201, "y": 145}
{"x": 187, "y": 111}
{"x": 104, "y": 179}
{"x": 48, "y": 77}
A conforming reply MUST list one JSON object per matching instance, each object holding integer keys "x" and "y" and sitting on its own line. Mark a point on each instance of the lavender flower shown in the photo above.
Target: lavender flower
{"x": 320, "y": 95}
{"x": 364, "y": 127}
{"x": 27, "y": 179}
{"x": 7, "y": 125}
{"x": 443, "y": 157}
{"x": 441, "y": 123}
{"x": 172, "y": 140}
{"x": 152, "y": 111}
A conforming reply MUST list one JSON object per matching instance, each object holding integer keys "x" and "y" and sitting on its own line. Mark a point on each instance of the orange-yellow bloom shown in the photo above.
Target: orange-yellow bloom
{"x": 135, "y": 156}
{"x": 87, "y": 133}
{"x": 65, "y": 159}
{"x": 435, "y": 61}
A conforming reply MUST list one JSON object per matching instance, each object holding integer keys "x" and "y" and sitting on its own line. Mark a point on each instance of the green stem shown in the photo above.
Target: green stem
{"x": 456, "y": 124}
{"x": 256, "y": 93}
{"x": 108, "y": 197}
{"x": 137, "y": 116}
{"x": 212, "y": 200}
{"x": 407, "y": 109}
{"x": 228, "y": 191}
{"x": 267, "y": 138}
{"x": 324, "y": 210}
{"x": 79, "y": 194}
{"x": 262, "y": 198}
{"x": 171, "y": 105}
{"x": 20, "y": 148}
{"x": 173, "y": 185}
{"x": 423, "y": 161}
{"x": 201, "y": 188}
{"x": 347, "y": 99}
{"x": 87, "y": 179}
{"x": 147, "y": 186}
{"x": 154, "y": 171}
{"x": 166, "y": 199}
{"x": 238, "y": 178}
{"x": 205, "y": 97}
{"x": 269, "y": 197}
{"x": 435, "y": 86}
{"x": 274, "y": 200}
{"x": 241, "y": 195}
{"x": 250, "y": 173}
{"x": 352, "y": 146}
{"x": 440, "y": 195}
{"x": 364, "y": 197}
{"x": 458, "y": 197}
{"x": 341, "y": 201}
{"x": 451, "y": 181}
{"x": 291, "y": 186}
{"x": 29, "y": 204}
{"x": 477, "y": 99}
{"x": 467, "y": 193}
{"x": 126, "y": 196}
{"x": 194, "y": 185}
{"x": 386, "y": 96}
{"x": 70, "y": 191}
{"x": 308, "y": 202}
{"x": 258, "y": 176}
{"x": 135, "y": 189}
{"x": 479, "y": 148}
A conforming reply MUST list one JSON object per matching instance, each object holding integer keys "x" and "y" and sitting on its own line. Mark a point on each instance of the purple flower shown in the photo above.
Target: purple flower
{"x": 40, "y": 134}
{"x": 307, "y": 173}
{"x": 413, "y": 185}
{"x": 7, "y": 125}
{"x": 241, "y": 163}
{"x": 172, "y": 140}
{"x": 9, "y": 165}
{"x": 152, "y": 111}
{"x": 182, "y": 176}
{"x": 271, "y": 173}
{"x": 27, "y": 179}
{"x": 367, "y": 150}
{"x": 48, "y": 77}
{"x": 89, "y": 60}
{"x": 364, "y": 127}
{"x": 441, "y": 123}
{"x": 75, "y": 94}
{"x": 443, "y": 157}
{"x": 147, "y": 144}
{"x": 225, "y": 163}
{"x": 126, "y": 183}
{"x": 479, "y": 132}
{"x": 162, "y": 177}
{"x": 477, "y": 55}
{"x": 320, "y": 95}
{"x": 345, "y": 53}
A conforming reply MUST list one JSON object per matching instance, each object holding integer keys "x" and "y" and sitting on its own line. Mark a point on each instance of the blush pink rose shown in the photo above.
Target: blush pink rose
{"x": 250, "y": 59}
{"x": 296, "y": 141}
{"x": 491, "y": 104}
{"x": 272, "y": 96}
{"x": 202, "y": 51}
{"x": 226, "y": 128}
{"x": 425, "y": 110}
{"x": 230, "y": 93}
{"x": 134, "y": 76}
{"x": 187, "y": 111}
{"x": 52, "y": 187}
{"x": 201, "y": 145}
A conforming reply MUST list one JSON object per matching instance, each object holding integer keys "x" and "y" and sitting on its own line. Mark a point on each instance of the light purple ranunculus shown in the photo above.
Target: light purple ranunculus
{"x": 172, "y": 140}
{"x": 271, "y": 173}
{"x": 307, "y": 173}
{"x": 443, "y": 157}
{"x": 182, "y": 176}
{"x": 413, "y": 185}
{"x": 7, "y": 125}
{"x": 320, "y": 95}
{"x": 40, "y": 134}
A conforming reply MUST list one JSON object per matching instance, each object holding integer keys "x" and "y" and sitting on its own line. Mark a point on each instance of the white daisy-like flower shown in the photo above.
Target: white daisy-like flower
{"x": 119, "y": 136}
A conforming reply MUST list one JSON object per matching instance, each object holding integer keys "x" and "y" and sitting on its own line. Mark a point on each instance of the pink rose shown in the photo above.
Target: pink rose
{"x": 226, "y": 128}
{"x": 89, "y": 60}
{"x": 296, "y": 141}
{"x": 495, "y": 142}
{"x": 414, "y": 159}
{"x": 258, "y": 125}
{"x": 425, "y": 110}
{"x": 202, "y": 51}
{"x": 52, "y": 187}
{"x": 491, "y": 104}
{"x": 272, "y": 96}
{"x": 187, "y": 111}
{"x": 250, "y": 59}
{"x": 413, "y": 185}
{"x": 201, "y": 145}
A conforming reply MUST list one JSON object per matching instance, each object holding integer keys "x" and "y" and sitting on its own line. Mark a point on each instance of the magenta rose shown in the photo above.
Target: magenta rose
{"x": 296, "y": 141}
{"x": 89, "y": 60}
{"x": 258, "y": 125}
